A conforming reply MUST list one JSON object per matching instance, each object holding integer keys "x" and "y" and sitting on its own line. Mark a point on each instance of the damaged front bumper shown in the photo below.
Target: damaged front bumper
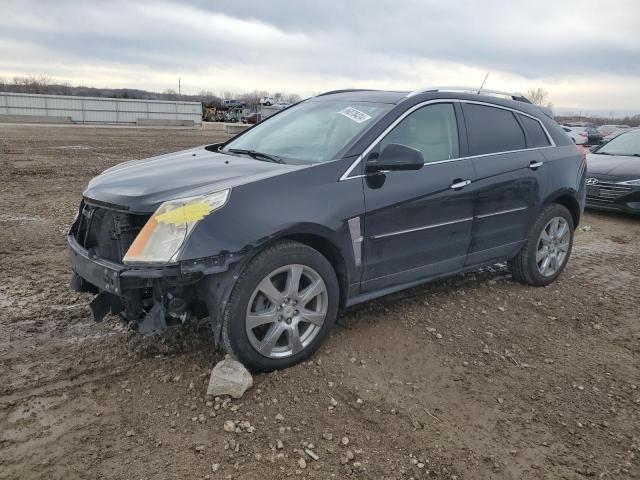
{"x": 151, "y": 298}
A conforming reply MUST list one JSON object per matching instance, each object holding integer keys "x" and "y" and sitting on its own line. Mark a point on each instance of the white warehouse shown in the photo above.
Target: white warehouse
{"x": 23, "y": 107}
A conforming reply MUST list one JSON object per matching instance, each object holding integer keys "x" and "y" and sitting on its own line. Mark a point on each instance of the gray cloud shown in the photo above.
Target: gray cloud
{"x": 383, "y": 42}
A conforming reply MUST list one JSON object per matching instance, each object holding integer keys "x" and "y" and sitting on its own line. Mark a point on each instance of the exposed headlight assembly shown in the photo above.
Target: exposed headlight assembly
{"x": 162, "y": 237}
{"x": 631, "y": 182}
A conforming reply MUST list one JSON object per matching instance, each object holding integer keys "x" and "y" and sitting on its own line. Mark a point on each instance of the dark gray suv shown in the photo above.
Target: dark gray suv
{"x": 336, "y": 200}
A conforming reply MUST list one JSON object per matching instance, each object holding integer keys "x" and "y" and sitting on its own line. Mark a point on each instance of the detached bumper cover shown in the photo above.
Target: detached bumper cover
{"x": 146, "y": 295}
{"x": 116, "y": 278}
{"x": 113, "y": 277}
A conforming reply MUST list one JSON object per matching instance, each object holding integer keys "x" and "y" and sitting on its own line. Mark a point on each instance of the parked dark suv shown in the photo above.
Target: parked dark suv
{"x": 339, "y": 199}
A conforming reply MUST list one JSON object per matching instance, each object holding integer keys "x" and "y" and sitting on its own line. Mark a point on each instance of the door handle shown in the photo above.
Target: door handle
{"x": 459, "y": 184}
{"x": 535, "y": 165}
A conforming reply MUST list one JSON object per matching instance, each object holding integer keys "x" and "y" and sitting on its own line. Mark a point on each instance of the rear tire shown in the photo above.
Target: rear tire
{"x": 281, "y": 308}
{"x": 547, "y": 248}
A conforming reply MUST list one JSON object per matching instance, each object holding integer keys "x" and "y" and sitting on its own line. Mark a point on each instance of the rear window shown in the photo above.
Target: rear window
{"x": 492, "y": 130}
{"x": 537, "y": 137}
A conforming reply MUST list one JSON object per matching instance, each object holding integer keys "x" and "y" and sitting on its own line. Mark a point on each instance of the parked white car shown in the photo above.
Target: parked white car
{"x": 267, "y": 101}
{"x": 607, "y": 130}
{"x": 579, "y": 135}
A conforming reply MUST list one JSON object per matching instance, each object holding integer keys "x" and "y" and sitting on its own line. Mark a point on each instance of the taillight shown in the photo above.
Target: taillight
{"x": 583, "y": 134}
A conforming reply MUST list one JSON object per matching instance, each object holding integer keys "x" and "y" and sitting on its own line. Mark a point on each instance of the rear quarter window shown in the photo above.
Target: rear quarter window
{"x": 535, "y": 132}
{"x": 492, "y": 130}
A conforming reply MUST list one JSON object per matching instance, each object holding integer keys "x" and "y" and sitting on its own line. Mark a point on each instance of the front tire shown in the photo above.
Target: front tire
{"x": 281, "y": 308}
{"x": 547, "y": 248}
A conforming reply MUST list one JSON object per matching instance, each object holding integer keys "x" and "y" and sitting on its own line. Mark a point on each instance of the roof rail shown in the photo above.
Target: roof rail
{"x": 478, "y": 91}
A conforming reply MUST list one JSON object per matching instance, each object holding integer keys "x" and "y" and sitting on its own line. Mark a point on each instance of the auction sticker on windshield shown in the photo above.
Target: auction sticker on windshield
{"x": 355, "y": 114}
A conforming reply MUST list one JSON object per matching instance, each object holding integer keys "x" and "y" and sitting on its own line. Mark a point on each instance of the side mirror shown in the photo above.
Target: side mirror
{"x": 396, "y": 157}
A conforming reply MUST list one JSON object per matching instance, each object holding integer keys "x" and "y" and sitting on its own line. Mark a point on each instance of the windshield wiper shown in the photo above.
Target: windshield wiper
{"x": 257, "y": 155}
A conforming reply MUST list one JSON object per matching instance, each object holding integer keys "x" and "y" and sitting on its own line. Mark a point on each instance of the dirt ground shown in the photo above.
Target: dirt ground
{"x": 476, "y": 377}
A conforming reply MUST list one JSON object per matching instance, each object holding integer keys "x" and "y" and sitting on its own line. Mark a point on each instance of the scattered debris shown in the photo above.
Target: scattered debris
{"x": 229, "y": 377}
{"x": 432, "y": 415}
{"x": 312, "y": 454}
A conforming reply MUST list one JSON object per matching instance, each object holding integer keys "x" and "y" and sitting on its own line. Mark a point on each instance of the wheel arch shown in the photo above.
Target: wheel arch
{"x": 216, "y": 289}
{"x": 330, "y": 251}
{"x": 567, "y": 199}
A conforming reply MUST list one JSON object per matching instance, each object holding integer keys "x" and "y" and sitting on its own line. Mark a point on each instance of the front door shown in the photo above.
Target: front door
{"x": 418, "y": 223}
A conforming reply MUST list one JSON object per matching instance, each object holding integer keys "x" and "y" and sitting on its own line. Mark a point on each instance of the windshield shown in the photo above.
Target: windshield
{"x": 624, "y": 144}
{"x": 310, "y": 131}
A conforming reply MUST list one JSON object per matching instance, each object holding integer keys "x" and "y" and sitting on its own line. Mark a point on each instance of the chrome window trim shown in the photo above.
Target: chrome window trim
{"x": 417, "y": 229}
{"x": 493, "y": 214}
{"x": 515, "y": 110}
{"x": 346, "y": 174}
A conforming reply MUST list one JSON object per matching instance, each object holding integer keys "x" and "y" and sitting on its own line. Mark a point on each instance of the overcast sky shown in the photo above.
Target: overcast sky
{"x": 585, "y": 53}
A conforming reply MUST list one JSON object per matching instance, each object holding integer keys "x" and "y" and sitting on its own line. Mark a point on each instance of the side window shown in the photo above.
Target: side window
{"x": 492, "y": 130}
{"x": 431, "y": 129}
{"x": 537, "y": 137}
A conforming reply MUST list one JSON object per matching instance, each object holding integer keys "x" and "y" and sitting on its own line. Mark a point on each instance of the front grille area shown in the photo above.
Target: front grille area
{"x": 605, "y": 192}
{"x": 107, "y": 233}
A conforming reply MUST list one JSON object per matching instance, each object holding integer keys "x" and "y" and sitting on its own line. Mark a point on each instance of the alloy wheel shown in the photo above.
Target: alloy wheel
{"x": 553, "y": 246}
{"x": 286, "y": 311}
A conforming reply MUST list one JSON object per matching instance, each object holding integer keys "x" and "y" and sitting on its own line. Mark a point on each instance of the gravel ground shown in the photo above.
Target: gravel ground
{"x": 471, "y": 378}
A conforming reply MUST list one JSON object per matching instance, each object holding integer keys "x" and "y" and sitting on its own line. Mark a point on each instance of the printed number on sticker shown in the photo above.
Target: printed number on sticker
{"x": 355, "y": 114}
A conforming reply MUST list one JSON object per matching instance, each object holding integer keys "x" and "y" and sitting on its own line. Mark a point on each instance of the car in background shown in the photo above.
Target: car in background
{"x": 232, "y": 103}
{"x": 614, "y": 133}
{"x": 253, "y": 118}
{"x": 594, "y": 137}
{"x": 267, "y": 101}
{"x": 613, "y": 174}
{"x": 607, "y": 130}
{"x": 577, "y": 134}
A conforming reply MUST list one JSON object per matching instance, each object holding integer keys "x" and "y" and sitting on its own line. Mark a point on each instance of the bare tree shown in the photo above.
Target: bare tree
{"x": 170, "y": 94}
{"x": 208, "y": 98}
{"x": 538, "y": 96}
{"x": 32, "y": 84}
{"x": 291, "y": 98}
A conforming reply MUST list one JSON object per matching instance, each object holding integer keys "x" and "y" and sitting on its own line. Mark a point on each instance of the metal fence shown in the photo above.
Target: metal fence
{"x": 98, "y": 110}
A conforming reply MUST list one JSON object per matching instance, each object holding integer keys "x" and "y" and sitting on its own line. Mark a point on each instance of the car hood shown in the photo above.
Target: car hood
{"x": 614, "y": 167}
{"x": 142, "y": 185}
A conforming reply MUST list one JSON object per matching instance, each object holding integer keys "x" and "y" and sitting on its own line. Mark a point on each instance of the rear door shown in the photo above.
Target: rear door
{"x": 510, "y": 177}
{"x": 416, "y": 225}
